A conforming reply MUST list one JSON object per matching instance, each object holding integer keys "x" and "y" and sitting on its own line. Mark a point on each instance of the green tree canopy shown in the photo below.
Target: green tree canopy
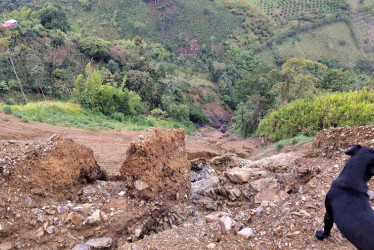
{"x": 53, "y": 17}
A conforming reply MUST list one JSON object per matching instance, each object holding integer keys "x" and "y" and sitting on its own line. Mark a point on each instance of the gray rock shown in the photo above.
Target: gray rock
{"x": 261, "y": 185}
{"x": 97, "y": 243}
{"x": 78, "y": 209}
{"x": 302, "y": 189}
{"x": 200, "y": 187}
{"x": 246, "y": 233}
{"x": 51, "y": 229}
{"x": 81, "y": 247}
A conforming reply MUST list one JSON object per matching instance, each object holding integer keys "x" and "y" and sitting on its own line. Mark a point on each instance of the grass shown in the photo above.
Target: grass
{"x": 73, "y": 115}
{"x": 323, "y": 42}
{"x": 297, "y": 141}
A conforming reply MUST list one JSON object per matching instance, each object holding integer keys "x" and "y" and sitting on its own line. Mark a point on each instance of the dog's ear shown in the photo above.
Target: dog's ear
{"x": 353, "y": 150}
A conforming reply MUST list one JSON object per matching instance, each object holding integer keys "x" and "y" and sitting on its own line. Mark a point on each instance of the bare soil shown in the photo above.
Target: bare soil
{"x": 72, "y": 207}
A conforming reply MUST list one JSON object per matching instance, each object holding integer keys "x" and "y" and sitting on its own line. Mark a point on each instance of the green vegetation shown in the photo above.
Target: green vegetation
{"x": 73, "y": 115}
{"x": 179, "y": 60}
{"x": 307, "y": 116}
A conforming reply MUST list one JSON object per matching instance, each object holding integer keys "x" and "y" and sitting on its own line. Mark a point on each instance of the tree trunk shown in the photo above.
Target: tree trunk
{"x": 19, "y": 81}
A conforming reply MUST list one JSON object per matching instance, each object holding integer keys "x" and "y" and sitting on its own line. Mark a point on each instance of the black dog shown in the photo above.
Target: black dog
{"x": 347, "y": 202}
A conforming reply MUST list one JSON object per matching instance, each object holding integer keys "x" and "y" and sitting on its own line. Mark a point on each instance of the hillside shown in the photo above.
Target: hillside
{"x": 255, "y": 24}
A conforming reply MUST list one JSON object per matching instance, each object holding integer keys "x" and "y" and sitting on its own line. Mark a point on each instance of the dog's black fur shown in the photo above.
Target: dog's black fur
{"x": 347, "y": 202}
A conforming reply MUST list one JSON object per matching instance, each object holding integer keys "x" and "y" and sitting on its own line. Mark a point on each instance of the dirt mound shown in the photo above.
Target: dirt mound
{"x": 336, "y": 140}
{"x": 156, "y": 167}
{"x": 55, "y": 165}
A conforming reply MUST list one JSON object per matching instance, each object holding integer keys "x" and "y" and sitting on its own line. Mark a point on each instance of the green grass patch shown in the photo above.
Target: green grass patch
{"x": 322, "y": 42}
{"x": 307, "y": 116}
{"x": 73, "y": 115}
{"x": 296, "y": 141}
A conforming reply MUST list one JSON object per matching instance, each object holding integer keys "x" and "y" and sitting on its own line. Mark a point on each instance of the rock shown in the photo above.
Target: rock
{"x": 228, "y": 222}
{"x": 138, "y": 232}
{"x": 238, "y": 227}
{"x": 69, "y": 217}
{"x": 98, "y": 243}
{"x": 302, "y": 189}
{"x": 211, "y": 218}
{"x": 239, "y": 175}
{"x": 96, "y": 215}
{"x": 78, "y": 209}
{"x": 214, "y": 216}
{"x": 279, "y": 177}
{"x": 81, "y": 247}
{"x": 200, "y": 187}
{"x": 122, "y": 193}
{"x": 223, "y": 162}
{"x": 86, "y": 208}
{"x": 40, "y": 218}
{"x": 160, "y": 158}
{"x": 140, "y": 185}
{"x": 38, "y": 233}
{"x": 261, "y": 185}
{"x": 246, "y": 233}
{"x": 51, "y": 229}
{"x": 273, "y": 194}
{"x": 211, "y": 245}
{"x": 275, "y": 162}
{"x": 28, "y": 200}
{"x": 6, "y": 246}
{"x": 235, "y": 193}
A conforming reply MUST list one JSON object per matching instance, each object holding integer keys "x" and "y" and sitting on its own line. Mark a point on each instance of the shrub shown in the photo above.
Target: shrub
{"x": 94, "y": 47}
{"x": 157, "y": 112}
{"x": 118, "y": 116}
{"x": 7, "y": 109}
{"x": 197, "y": 116}
{"x": 307, "y": 116}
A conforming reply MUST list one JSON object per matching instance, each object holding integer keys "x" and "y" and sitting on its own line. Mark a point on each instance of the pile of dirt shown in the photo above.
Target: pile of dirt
{"x": 52, "y": 166}
{"x": 156, "y": 167}
{"x": 334, "y": 141}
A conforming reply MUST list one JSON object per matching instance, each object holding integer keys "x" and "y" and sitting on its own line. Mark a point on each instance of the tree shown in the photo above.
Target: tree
{"x": 4, "y": 44}
{"x": 94, "y": 47}
{"x": 53, "y": 17}
{"x": 143, "y": 84}
{"x": 35, "y": 67}
{"x": 107, "y": 98}
{"x": 299, "y": 78}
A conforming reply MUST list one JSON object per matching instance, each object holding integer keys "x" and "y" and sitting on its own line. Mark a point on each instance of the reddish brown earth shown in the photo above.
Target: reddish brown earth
{"x": 43, "y": 207}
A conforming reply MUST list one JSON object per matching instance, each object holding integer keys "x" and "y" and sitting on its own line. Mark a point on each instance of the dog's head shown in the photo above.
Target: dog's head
{"x": 365, "y": 155}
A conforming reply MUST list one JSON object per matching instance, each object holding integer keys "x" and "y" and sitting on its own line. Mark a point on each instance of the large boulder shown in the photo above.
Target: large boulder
{"x": 156, "y": 167}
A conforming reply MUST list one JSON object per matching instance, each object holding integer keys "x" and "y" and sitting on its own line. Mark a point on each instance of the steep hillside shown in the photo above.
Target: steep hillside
{"x": 255, "y": 24}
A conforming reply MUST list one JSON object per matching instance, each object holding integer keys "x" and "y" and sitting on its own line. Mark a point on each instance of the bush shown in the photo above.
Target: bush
{"x": 118, "y": 116}
{"x": 197, "y": 116}
{"x": 94, "y": 47}
{"x": 7, "y": 109}
{"x": 157, "y": 112}
{"x": 307, "y": 116}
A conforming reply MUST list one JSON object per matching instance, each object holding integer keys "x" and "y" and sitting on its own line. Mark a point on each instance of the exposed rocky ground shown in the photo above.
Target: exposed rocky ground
{"x": 54, "y": 194}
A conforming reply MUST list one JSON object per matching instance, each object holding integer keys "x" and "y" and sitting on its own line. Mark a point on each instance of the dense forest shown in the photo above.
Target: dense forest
{"x": 274, "y": 67}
